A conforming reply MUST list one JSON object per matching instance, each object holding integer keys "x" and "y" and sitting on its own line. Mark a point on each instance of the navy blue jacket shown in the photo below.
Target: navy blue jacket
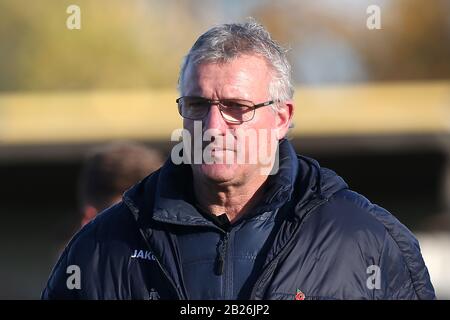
{"x": 311, "y": 237}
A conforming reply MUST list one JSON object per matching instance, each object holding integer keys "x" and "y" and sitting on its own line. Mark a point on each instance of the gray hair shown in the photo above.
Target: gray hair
{"x": 226, "y": 42}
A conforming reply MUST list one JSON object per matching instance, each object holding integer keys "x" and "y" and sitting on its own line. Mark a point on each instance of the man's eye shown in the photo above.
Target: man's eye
{"x": 236, "y": 105}
{"x": 198, "y": 104}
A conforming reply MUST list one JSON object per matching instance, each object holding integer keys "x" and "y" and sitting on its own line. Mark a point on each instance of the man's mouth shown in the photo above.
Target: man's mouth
{"x": 220, "y": 149}
{"x": 217, "y": 148}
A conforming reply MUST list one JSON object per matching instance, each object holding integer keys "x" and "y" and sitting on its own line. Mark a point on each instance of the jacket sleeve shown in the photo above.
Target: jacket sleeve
{"x": 56, "y": 288}
{"x": 403, "y": 274}
{"x": 68, "y": 277}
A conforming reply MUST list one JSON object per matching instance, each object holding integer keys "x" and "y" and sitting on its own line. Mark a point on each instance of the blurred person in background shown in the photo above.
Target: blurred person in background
{"x": 111, "y": 169}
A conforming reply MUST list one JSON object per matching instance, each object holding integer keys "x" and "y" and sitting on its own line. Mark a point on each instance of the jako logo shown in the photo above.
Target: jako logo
{"x": 143, "y": 254}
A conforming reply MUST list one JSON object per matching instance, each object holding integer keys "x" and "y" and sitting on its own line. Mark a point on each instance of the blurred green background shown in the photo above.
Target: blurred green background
{"x": 373, "y": 105}
{"x": 139, "y": 43}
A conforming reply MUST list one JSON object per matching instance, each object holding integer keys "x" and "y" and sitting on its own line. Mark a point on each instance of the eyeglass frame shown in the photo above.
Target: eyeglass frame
{"x": 212, "y": 102}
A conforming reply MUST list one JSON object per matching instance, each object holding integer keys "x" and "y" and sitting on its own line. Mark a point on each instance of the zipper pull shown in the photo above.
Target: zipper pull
{"x": 221, "y": 253}
{"x": 220, "y": 266}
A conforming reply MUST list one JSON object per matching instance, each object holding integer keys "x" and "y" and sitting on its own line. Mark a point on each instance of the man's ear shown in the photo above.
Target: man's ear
{"x": 89, "y": 213}
{"x": 285, "y": 112}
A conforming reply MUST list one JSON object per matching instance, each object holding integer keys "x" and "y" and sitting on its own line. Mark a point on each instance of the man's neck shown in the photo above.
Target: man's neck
{"x": 233, "y": 200}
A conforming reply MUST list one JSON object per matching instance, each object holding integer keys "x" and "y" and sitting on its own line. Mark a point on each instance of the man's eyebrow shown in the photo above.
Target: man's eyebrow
{"x": 235, "y": 98}
{"x": 232, "y": 98}
{"x": 220, "y": 98}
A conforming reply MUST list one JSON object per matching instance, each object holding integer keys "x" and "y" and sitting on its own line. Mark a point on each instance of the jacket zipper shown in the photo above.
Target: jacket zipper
{"x": 222, "y": 267}
{"x": 229, "y": 267}
{"x": 280, "y": 254}
{"x": 222, "y": 249}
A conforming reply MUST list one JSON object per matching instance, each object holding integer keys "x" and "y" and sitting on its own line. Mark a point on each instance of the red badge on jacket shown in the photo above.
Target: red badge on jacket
{"x": 299, "y": 295}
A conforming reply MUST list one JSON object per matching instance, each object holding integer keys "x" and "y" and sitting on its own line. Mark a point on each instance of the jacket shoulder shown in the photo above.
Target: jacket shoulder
{"x": 380, "y": 233}
{"x": 113, "y": 225}
{"x": 108, "y": 239}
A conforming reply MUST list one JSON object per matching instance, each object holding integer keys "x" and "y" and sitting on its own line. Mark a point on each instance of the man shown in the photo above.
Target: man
{"x": 110, "y": 170}
{"x": 226, "y": 228}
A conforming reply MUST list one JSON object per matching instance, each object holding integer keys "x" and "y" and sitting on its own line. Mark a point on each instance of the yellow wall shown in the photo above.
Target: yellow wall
{"x": 65, "y": 117}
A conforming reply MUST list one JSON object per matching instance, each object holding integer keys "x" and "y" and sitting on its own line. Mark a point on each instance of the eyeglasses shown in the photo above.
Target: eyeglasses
{"x": 232, "y": 110}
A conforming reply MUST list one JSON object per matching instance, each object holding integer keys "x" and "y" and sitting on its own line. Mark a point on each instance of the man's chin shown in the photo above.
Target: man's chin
{"x": 217, "y": 172}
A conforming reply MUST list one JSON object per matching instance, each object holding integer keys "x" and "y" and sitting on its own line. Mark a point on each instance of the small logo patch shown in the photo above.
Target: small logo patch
{"x": 153, "y": 295}
{"x": 299, "y": 295}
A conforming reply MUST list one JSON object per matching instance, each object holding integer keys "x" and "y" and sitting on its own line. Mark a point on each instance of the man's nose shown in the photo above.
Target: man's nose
{"x": 214, "y": 119}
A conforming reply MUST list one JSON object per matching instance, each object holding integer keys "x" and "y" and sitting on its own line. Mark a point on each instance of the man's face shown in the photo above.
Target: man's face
{"x": 246, "y": 77}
